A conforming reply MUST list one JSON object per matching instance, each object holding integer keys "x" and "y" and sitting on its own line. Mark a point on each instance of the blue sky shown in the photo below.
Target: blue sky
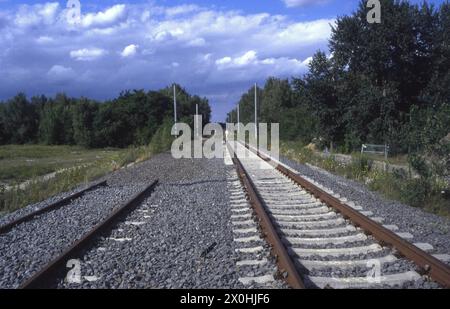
{"x": 214, "y": 48}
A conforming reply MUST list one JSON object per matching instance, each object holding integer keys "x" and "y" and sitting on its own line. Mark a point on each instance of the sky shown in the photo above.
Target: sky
{"x": 216, "y": 49}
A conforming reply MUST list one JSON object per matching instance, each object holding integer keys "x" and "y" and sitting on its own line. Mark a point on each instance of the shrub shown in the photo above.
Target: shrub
{"x": 162, "y": 140}
{"x": 416, "y": 191}
{"x": 330, "y": 164}
{"x": 419, "y": 164}
{"x": 359, "y": 167}
{"x": 2, "y": 197}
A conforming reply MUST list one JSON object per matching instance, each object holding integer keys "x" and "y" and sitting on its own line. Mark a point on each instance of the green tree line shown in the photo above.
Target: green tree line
{"x": 386, "y": 83}
{"x": 130, "y": 119}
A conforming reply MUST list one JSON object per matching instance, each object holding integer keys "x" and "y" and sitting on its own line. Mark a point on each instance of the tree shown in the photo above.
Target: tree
{"x": 186, "y": 105}
{"x": 247, "y": 106}
{"x": 320, "y": 84}
{"x": 83, "y": 119}
{"x": 399, "y": 51}
{"x": 368, "y": 112}
{"x": 50, "y": 126}
{"x": 381, "y": 83}
{"x": 64, "y": 107}
{"x": 277, "y": 95}
{"x": 130, "y": 119}
{"x": 3, "y": 134}
{"x": 19, "y": 120}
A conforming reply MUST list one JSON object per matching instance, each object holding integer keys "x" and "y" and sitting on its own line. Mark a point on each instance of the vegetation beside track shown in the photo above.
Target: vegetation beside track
{"x": 81, "y": 139}
{"x": 425, "y": 191}
{"x": 29, "y": 162}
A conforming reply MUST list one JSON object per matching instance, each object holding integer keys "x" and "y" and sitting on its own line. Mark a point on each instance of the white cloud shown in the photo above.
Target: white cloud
{"x": 145, "y": 16}
{"x": 250, "y": 59}
{"x": 197, "y": 42}
{"x": 209, "y": 50}
{"x": 29, "y": 15}
{"x": 182, "y": 9}
{"x": 107, "y": 17}
{"x": 231, "y": 31}
{"x": 60, "y": 73}
{"x": 307, "y": 61}
{"x": 246, "y": 59}
{"x": 223, "y": 61}
{"x": 87, "y": 54}
{"x": 44, "y": 39}
{"x": 207, "y": 57}
{"x": 48, "y": 11}
{"x": 129, "y": 51}
{"x": 301, "y": 3}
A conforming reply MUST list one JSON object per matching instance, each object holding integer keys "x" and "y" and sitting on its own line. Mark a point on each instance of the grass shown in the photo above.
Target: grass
{"x": 427, "y": 194}
{"x": 20, "y": 163}
{"x": 101, "y": 162}
{"x": 29, "y": 162}
{"x": 397, "y": 159}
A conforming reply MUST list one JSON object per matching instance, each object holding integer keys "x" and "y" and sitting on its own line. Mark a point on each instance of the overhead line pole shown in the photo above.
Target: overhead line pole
{"x": 175, "y": 105}
{"x": 238, "y": 118}
{"x": 196, "y": 120}
{"x": 256, "y": 114}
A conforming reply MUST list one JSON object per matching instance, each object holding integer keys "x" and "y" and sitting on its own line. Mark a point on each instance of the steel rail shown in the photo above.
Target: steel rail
{"x": 51, "y": 269}
{"x": 7, "y": 227}
{"x": 431, "y": 266}
{"x": 284, "y": 261}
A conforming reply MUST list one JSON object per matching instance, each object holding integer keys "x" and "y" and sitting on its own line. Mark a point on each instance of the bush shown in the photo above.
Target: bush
{"x": 419, "y": 164}
{"x": 295, "y": 150}
{"x": 386, "y": 183}
{"x": 416, "y": 191}
{"x": 162, "y": 140}
{"x": 330, "y": 164}
{"x": 359, "y": 167}
{"x": 2, "y": 197}
{"x": 130, "y": 156}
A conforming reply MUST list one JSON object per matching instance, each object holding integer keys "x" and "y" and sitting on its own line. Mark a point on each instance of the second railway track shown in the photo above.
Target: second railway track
{"x": 51, "y": 207}
{"x": 322, "y": 244}
{"x": 28, "y": 244}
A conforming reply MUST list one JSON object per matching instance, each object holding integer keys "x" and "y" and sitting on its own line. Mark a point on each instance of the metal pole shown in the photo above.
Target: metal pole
{"x": 175, "y": 105}
{"x": 238, "y": 118}
{"x": 256, "y": 113}
{"x": 196, "y": 119}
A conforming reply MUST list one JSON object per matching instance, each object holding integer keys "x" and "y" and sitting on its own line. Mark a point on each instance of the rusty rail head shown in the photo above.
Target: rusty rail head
{"x": 436, "y": 269}
{"x": 45, "y": 275}
{"x": 284, "y": 260}
{"x": 5, "y": 228}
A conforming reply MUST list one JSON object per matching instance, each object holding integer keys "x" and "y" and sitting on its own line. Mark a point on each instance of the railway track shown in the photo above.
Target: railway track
{"x": 322, "y": 240}
{"x": 255, "y": 266}
{"x": 208, "y": 233}
{"x": 47, "y": 274}
{"x": 51, "y": 207}
{"x": 35, "y": 248}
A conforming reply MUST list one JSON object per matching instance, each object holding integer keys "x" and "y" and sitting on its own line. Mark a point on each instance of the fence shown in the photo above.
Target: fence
{"x": 375, "y": 149}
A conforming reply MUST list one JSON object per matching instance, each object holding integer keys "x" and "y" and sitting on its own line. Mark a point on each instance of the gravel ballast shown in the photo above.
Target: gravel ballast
{"x": 179, "y": 237}
{"x": 183, "y": 235}
{"x": 29, "y": 246}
